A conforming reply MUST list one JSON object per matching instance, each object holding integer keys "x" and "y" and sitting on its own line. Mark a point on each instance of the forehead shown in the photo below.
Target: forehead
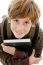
{"x": 26, "y": 18}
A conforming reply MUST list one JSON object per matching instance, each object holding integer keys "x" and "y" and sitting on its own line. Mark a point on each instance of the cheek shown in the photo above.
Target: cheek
{"x": 13, "y": 27}
{"x": 27, "y": 29}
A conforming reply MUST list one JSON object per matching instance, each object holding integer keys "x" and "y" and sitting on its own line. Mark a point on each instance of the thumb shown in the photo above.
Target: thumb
{"x": 33, "y": 52}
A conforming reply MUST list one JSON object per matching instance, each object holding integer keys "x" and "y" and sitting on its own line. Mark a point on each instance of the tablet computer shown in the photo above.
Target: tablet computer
{"x": 20, "y": 44}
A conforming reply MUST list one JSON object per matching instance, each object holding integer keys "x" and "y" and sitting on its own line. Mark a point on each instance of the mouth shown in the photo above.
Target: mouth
{"x": 19, "y": 33}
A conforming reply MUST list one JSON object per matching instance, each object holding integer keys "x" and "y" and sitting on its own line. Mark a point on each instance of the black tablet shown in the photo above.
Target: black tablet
{"x": 21, "y": 44}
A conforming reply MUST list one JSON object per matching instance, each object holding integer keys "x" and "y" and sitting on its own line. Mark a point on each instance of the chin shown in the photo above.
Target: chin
{"x": 19, "y": 37}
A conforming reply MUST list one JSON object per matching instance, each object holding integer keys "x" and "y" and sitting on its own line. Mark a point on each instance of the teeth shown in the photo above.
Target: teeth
{"x": 19, "y": 33}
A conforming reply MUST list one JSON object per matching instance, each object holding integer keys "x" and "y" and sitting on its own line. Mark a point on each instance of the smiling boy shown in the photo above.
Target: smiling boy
{"x": 23, "y": 16}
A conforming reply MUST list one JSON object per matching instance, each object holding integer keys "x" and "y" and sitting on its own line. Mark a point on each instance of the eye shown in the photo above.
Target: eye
{"x": 16, "y": 20}
{"x": 26, "y": 22}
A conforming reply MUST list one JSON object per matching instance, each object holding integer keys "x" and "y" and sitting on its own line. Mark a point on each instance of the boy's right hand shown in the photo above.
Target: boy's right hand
{"x": 13, "y": 51}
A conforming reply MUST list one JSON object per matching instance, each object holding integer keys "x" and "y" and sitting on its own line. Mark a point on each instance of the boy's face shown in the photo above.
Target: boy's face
{"x": 20, "y": 27}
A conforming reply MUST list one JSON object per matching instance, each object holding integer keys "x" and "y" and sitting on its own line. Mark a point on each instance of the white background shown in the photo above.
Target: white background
{"x": 3, "y": 11}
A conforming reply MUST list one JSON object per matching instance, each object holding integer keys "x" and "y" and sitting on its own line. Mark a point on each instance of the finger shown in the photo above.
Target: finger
{"x": 33, "y": 52}
{"x": 2, "y": 44}
{"x": 7, "y": 46}
{"x": 37, "y": 60}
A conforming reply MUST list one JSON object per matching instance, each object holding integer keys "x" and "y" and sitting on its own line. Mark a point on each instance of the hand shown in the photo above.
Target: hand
{"x": 13, "y": 51}
{"x": 8, "y": 49}
{"x": 33, "y": 59}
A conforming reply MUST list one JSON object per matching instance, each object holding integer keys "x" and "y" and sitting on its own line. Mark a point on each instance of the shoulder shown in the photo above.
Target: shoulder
{"x": 5, "y": 27}
{"x": 1, "y": 27}
{"x": 1, "y": 23}
{"x": 0, "y": 34}
{"x": 40, "y": 34}
{"x": 40, "y": 37}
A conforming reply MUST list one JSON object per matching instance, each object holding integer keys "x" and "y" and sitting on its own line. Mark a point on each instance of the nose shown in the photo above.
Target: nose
{"x": 20, "y": 30}
{"x": 21, "y": 27}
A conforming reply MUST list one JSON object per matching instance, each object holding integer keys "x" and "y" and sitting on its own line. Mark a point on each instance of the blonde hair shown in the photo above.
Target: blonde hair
{"x": 24, "y": 8}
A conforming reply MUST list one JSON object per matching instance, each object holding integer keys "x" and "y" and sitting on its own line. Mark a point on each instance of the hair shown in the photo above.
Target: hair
{"x": 24, "y": 8}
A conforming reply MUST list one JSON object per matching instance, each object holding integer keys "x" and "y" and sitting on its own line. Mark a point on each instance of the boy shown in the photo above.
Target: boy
{"x": 23, "y": 16}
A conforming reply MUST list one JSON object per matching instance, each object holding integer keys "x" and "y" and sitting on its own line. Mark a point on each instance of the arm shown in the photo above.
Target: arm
{"x": 39, "y": 44}
{"x": 1, "y": 51}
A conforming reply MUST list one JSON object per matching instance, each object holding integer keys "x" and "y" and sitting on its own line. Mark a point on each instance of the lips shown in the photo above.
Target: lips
{"x": 19, "y": 32}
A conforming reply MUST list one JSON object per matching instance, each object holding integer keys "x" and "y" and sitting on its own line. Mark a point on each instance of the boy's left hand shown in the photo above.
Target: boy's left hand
{"x": 33, "y": 59}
